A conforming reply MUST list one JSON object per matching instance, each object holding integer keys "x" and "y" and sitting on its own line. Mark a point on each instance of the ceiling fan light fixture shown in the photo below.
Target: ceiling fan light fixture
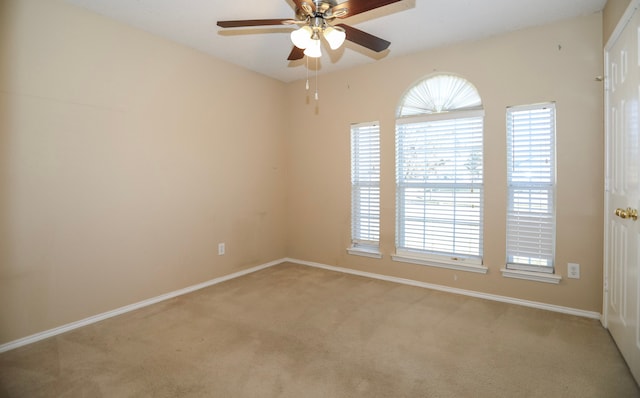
{"x": 313, "y": 50}
{"x": 301, "y": 38}
{"x": 315, "y": 18}
{"x": 335, "y": 36}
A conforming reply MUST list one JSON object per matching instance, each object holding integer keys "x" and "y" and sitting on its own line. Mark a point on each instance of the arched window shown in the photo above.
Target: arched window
{"x": 439, "y": 174}
{"x": 441, "y": 93}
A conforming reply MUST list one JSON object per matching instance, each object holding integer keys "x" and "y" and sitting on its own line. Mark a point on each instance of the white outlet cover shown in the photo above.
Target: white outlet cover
{"x": 573, "y": 271}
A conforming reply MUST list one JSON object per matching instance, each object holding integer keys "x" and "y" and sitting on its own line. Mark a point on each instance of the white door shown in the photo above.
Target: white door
{"x": 622, "y": 189}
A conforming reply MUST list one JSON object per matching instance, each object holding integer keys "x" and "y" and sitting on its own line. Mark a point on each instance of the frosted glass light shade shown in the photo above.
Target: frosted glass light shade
{"x": 301, "y": 38}
{"x": 313, "y": 50}
{"x": 335, "y": 37}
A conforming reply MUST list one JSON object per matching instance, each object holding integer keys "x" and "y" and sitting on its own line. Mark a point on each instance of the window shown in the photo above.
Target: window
{"x": 365, "y": 189}
{"x": 531, "y": 171}
{"x": 439, "y": 175}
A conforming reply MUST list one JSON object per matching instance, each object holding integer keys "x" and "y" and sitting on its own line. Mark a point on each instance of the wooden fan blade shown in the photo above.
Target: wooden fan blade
{"x": 359, "y": 6}
{"x": 296, "y": 54}
{"x": 364, "y": 39}
{"x": 254, "y": 22}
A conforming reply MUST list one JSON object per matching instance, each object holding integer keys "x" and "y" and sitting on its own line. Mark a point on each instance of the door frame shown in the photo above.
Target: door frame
{"x": 622, "y": 24}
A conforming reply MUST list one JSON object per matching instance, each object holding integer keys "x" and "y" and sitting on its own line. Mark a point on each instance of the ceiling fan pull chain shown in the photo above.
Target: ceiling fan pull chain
{"x": 307, "y": 59}
{"x": 316, "y": 79}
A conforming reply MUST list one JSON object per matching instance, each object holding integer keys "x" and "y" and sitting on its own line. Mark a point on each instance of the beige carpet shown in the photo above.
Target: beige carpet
{"x": 295, "y": 331}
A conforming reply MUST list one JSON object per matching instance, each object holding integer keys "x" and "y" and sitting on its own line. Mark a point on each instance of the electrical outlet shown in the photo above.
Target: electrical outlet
{"x": 220, "y": 249}
{"x": 573, "y": 271}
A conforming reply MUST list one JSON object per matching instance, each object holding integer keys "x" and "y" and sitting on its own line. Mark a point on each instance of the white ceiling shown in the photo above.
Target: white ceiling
{"x": 410, "y": 26}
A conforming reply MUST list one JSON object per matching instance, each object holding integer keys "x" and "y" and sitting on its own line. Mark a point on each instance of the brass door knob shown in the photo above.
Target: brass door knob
{"x": 627, "y": 213}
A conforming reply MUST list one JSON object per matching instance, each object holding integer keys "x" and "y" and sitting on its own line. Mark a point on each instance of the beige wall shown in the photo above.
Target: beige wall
{"x": 558, "y": 62}
{"x": 613, "y": 11}
{"x": 125, "y": 159}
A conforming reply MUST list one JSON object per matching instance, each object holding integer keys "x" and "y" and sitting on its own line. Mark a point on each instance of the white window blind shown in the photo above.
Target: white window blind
{"x": 365, "y": 185}
{"x": 440, "y": 185}
{"x": 531, "y": 171}
{"x": 438, "y": 94}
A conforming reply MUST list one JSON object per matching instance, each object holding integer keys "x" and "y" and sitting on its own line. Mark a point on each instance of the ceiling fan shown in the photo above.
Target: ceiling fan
{"x": 315, "y": 18}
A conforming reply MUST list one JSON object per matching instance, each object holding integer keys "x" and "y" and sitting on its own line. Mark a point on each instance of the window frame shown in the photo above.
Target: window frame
{"x": 365, "y": 148}
{"x": 545, "y": 186}
{"x": 456, "y": 261}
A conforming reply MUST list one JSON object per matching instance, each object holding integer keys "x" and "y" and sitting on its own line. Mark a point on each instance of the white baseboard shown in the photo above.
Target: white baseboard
{"x": 119, "y": 311}
{"x": 471, "y": 293}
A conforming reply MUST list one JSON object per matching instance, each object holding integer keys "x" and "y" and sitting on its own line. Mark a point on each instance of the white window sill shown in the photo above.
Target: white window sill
{"x": 531, "y": 276}
{"x": 359, "y": 251}
{"x": 455, "y": 265}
